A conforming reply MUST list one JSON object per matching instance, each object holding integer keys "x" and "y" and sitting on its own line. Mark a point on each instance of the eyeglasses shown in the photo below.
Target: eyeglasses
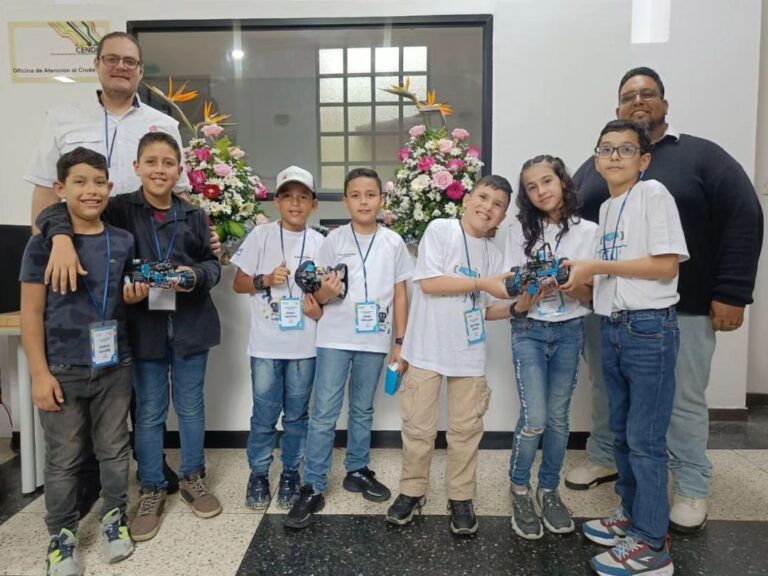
{"x": 645, "y": 95}
{"x": 113, "y": 60}
{"x": 625, "y": 151}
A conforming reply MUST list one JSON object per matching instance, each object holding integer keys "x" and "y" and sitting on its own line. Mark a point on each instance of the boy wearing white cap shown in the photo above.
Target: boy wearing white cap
{"x": 282, "y": 341}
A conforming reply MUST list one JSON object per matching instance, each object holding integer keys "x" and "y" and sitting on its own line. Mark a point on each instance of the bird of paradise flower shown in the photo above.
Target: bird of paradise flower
{"x": 425, "y": 107}
{"x": 174, "y": 97}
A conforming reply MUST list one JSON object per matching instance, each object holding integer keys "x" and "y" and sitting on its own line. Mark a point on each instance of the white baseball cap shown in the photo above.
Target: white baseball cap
{"x": 295, "y": 174}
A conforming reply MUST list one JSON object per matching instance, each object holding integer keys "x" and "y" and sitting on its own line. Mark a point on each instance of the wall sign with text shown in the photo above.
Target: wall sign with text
{"x": 54, "y": 51}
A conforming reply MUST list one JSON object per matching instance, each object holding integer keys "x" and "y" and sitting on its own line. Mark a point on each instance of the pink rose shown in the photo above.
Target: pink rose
{"x": 455, "y": 191}
{"x": 203, "y": 154}
{"x": 389, "y": 187}
{"x": 426, "y": 163}
{"x": 197, "y": 179}
{"x": 261, "y": 219}
{"x": 442, "y": 179}
{"x": 404, "y": 154}
{"x": 212, "y": 130}
{"x": 260, "y": 191}
{"x": 445, "y": 145}
{"x": 222, "y": 170}
{"x": 456, "y": 165}
{"x": 236, "y": 153}
{"x": 417, "y": 131}
{"x": 212, "y": 191}
{"x": 460, "y": 134}
{"x": 474, "y": 151}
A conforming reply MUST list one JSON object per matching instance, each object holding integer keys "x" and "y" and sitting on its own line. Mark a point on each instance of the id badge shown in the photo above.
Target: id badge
{"x": 552, "y": 304}
{"x": 366, "y": 317}
{"x": 103, "y": 337}
{"x": 291, "y": 316}
{"x": 475, "y": 326}
{"x": 162, "y": 299}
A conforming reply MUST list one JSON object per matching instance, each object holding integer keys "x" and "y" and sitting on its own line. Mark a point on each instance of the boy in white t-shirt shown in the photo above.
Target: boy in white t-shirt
{"x": 282, "y": 341}
{"x": 457, "y": 271}
{"x": 640, "y": 245}
{"x": 353, "y": 338}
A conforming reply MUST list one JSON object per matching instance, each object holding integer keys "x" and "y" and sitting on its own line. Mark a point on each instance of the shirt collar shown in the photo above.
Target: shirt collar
{"x": 136, "y": 100}
{"x": 670, "y": 132}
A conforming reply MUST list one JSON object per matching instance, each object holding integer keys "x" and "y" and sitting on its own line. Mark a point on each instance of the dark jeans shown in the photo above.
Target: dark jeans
{"x": 95, "y": 411}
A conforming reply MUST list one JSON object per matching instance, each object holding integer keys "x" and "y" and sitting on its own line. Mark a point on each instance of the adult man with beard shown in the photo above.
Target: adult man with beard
{"x": 723, "y": 226}
{"x": 110, "y": 122}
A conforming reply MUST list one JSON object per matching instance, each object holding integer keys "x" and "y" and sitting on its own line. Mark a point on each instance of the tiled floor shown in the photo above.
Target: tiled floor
{"x": 351, "y": 537}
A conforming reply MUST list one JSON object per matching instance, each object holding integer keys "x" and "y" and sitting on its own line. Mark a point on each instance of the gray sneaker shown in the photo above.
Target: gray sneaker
{"x": 555, "y": 515}
{"x": 62, "y": 558}
{"x": 525, "y": 521}
{"x": 117, "y": 544}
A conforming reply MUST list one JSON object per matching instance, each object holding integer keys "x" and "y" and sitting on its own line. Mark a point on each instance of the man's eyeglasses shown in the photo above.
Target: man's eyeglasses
{"x": 625, "y": 151}
{"x": 645, "y": 96}
{"x": 113, "y": 60}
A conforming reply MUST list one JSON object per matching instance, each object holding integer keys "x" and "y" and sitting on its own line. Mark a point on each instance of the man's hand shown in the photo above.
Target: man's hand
{"x": 280, "y": 275}
{"x": 496, "y": 286}
{"x": 63, "y": 265}
{"x": 394, "y": 356}
{"x": 46, "y": 393}
{"x": 135, "y": 292}
{"x": 185, "y": 269}
{"x": 725, "y": 317}
{"x": 215, "y": 242}
{"x": 312, "y": 307}
{"x": 330, "y": 287}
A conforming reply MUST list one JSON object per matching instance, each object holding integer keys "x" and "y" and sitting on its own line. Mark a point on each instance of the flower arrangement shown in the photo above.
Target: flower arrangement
{"x": 222, "y": 183}
{"x": 436, "y": 171}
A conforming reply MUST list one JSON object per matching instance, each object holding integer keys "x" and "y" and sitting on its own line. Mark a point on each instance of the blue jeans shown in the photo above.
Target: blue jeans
{"x": 546, "y": 357}
{"x": 151, "y": 377}
{"x": 333, "y": 368}
{"x": 639, "y": 354}
{"x": 279, "y": 386}
{"x": 689, "y": 428}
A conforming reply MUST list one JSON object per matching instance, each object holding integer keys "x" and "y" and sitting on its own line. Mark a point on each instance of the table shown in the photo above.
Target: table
{"x": 30, "y": 429}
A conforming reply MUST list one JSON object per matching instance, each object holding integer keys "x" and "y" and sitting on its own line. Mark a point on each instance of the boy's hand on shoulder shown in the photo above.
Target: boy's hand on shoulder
{"x": 46, "y": 392}
{"x": 194, "y": 283}
{"x": 330, "y": 287}
{"x": 63, "y": 265}
{"x": 312, "y": 307}
{"x": 280, "y": 275}
{"x": 135, "y": 292}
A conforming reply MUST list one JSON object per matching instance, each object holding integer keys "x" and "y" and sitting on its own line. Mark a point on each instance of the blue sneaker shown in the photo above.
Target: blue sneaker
{"x": 288, "y": 492}
{"x": 631, "y": 557}
{"x": 257, "y": 495}
{"x": 62, "y": 559}
{"x": 607, "y": 531}
{"x": 117, "y": 544}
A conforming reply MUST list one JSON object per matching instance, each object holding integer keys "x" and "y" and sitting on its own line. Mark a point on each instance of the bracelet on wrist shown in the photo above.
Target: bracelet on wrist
{"x": 258, "y": 283}
{"x": 518, "y": 314}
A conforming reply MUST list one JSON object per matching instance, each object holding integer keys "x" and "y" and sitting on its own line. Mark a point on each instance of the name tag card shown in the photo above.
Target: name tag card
{"x": 475, "y": 326}
{"x": 162, "y": 299}
{"x": 291, "y": 314}
{"x": 366, "y": 317}
{"x": 103, "y": 344}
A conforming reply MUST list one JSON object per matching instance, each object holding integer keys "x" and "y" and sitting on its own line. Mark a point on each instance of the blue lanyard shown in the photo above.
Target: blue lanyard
{"x": 104, "y": 298}
{"x": 157, "y": 238}
{"x": 301, "y": 256}
{"x": 109, "y": 148}
{"x": 364, "y": 258}
{"x": 473, "y": 295}
{"x": 604, "y": 254}
{"x": 544, "y": 240}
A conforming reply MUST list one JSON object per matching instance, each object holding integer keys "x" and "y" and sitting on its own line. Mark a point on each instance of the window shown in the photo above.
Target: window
{"x": 309, "y": 92}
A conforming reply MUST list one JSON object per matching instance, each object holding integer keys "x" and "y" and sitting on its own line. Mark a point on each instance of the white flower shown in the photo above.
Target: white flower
{"x": 450, "y": 209}
{"x": 420, "y": 182}
{"x": 418, "y": 213}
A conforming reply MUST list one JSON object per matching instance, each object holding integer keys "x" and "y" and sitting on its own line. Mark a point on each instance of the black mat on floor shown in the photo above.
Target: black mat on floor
{"x": 11, "y": 498}
{"x": 349, "y": 545}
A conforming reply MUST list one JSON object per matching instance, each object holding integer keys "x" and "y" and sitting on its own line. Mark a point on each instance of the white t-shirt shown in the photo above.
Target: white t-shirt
{"x": 436, "y": 338}
{"x": 388, "y": 263}
{"x": 84, "y": 123}
{"x": 261, "y": 253}
{"x": 576, "y": 244}
{"x": 648, "y": 225}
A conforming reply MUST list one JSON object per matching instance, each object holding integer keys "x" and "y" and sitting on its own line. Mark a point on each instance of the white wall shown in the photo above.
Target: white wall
{"x": 556, "y": 68}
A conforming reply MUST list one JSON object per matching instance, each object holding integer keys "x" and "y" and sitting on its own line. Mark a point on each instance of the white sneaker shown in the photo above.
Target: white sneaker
{"x": 588, "y": 475}
{"x": 688, "y": 514}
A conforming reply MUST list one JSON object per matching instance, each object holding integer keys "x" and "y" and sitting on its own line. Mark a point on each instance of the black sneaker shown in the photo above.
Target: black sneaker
{"x": 288, "y": 492}
{"x": 405, "y": 508}
{"x": 257, "y": 495}
{"x": 308, "y": 503}
{"x": 463, "y": 519}
{"x": 172, "y": 478}
{"x": 364, "y": 480}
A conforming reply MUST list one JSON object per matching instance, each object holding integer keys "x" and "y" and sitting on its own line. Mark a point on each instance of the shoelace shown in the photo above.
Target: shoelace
{"x": 626, "y": 547}
{"x": 525, "y": 504}
{"x": 551, "y": 499}
{"x": 368, "y": 473}
{"x": 116, "y": 531}
{"x": 197, "y": 487}
{"x": 63, "y": 550}
{"x": 616, "y": 518}
{"x": 148, "y": 503}
{"x": 460, "y": 507}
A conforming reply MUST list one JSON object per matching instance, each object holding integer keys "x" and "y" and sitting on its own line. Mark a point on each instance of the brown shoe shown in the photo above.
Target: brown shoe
{"x": 146, "y": 523}
{"x": 194, "y": 493}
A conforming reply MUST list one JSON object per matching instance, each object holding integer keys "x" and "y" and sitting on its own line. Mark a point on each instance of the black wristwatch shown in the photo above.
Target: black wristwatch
{"x": 258, "y": 282}
{"x": 399, "y": 341}
{"x": 516, "y": 313}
